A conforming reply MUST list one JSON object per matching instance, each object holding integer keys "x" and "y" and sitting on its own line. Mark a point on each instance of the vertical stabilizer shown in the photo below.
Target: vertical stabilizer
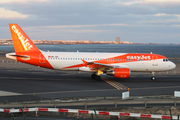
{"x": 21, "y": 41}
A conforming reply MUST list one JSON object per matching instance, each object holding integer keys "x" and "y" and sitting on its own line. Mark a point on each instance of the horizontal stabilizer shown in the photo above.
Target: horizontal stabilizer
{"x": 14, "y": 56}
{"x": 22, "y": 56}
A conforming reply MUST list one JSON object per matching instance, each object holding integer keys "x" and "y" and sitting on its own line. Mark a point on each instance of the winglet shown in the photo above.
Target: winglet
{"x": 21, "y": 41}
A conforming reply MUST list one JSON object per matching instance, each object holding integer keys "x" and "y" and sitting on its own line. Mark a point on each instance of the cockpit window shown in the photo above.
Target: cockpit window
{"x": 165, "y": 60}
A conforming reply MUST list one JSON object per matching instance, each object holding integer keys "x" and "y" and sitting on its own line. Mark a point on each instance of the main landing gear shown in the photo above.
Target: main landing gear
{"x": 95, "y": 77}
{"x": 153, "y": 78}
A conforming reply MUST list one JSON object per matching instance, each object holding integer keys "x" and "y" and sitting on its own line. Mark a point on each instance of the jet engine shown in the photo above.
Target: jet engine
{"x": 120, "y": 72}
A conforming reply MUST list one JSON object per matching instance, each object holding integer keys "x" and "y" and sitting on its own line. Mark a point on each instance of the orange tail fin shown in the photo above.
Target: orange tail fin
{"x": 21, "y": 41}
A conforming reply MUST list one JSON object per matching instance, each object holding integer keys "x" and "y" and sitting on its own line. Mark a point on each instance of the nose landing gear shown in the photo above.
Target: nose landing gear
{"x": 153, "y": 78}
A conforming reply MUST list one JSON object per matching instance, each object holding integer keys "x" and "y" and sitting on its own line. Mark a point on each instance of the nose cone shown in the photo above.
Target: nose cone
{"x": 172, "y": 65}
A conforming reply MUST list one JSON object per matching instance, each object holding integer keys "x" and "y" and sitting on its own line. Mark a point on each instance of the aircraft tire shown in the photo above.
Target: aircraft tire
{"x": 153, "y": 78}
{"x": 98, "y": 78}
{"x": 93, "y": 76}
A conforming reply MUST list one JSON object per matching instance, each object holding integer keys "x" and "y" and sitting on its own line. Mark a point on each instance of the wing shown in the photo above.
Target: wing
{"x": 100, "y": 66}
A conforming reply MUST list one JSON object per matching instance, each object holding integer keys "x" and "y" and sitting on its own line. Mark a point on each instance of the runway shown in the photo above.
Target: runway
{"x": 18, "y": 83}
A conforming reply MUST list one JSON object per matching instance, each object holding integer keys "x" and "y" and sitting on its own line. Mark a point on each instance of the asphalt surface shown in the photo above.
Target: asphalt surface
{"x": 18, "y": 83}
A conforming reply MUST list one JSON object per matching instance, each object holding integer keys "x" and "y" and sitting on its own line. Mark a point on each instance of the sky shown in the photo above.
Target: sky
{"x": 137, "y": 21}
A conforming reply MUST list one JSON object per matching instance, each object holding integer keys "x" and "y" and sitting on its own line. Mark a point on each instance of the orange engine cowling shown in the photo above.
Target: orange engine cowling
{"x": 120, "y": 72}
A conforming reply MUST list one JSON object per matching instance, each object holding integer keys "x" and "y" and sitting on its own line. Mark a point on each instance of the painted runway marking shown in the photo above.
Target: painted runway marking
{"x": 5, "y": 93}
{"x": 115, "y": 84}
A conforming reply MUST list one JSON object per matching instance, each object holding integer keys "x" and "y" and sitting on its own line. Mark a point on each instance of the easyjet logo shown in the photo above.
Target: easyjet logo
{"x": 24, "y": 41}
{"x": 139, "y": 57}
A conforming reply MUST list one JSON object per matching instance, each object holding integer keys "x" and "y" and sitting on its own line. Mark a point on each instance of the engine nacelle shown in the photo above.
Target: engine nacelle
{"x": 120, "y": 72}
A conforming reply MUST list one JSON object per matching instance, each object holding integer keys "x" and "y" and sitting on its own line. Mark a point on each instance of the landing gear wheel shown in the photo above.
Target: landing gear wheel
{"x": 96, "y": 77}
{"x": 93, "y": 76}
{"x": 153, "y": 78}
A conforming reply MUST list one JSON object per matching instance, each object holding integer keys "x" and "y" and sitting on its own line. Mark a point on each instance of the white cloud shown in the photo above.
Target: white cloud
{"x": 8, "y": 14}
{"x": 175, "y": 25}
{"x": 20, "y": 1}
{"x": 167, "y": 21}
{"x": 41, "y": 29}
{"x": 160, "y": 14}
{"x": 161, "y": 3}
{"x": 83, "y": 31}
{"x": 163, "y": 14}
{"x": 69, "y": 26}
{"x": 117, "y": 24}
{"x": 81, "y": 26}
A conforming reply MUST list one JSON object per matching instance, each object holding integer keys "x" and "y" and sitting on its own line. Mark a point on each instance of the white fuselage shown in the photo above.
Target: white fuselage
{"x": 61, "y": 60}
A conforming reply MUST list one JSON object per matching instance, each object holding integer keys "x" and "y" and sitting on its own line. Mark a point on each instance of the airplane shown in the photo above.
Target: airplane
{"x": 119, "y": 65}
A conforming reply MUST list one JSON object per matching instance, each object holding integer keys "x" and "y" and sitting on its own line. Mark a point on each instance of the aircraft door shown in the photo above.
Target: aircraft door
{"x": 155, "y": 61}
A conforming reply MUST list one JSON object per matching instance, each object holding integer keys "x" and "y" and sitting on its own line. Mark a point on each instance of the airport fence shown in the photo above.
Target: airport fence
{"x": 92, "y": 112}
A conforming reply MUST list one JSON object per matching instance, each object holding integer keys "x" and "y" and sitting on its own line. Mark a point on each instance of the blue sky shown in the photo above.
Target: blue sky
{"x": 140, "y": 21}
